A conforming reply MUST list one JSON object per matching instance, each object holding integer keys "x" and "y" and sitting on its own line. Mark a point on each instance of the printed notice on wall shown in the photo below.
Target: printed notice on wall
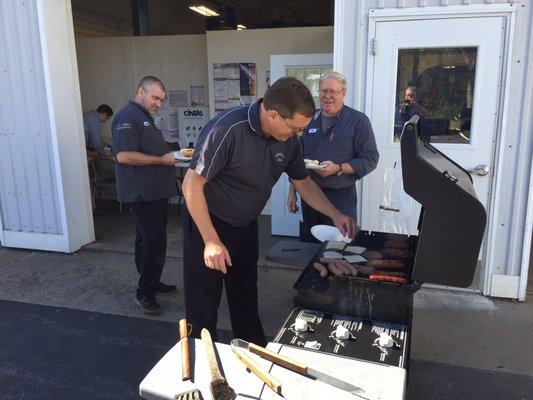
{"x": 197, "y": 96}
{"x": 234, "y": 85}
{"x": 177, "y": 98}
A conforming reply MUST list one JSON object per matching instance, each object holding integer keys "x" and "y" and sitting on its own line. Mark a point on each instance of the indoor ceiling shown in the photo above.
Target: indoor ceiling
{"x": 173, "y": 17}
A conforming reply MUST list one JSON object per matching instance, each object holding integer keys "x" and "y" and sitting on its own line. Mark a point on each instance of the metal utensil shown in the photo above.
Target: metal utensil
{"x": 296, "y": 366}
{"x": 194, "y": 394}
{"x": 258, "y": 370}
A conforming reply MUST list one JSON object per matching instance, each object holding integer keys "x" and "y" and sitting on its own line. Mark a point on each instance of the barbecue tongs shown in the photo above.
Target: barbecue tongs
{"x": 242, "y": 348}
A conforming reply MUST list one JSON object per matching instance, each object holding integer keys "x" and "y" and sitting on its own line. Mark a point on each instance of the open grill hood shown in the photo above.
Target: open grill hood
{"x": 452, "y": 219}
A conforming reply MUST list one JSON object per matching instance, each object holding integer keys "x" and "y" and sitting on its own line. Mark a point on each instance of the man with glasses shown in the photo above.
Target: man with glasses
{"x": 239, "y": 156}
{"x": 342, "y": 140}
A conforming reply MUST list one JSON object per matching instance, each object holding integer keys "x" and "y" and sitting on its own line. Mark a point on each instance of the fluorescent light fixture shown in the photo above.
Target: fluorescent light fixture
{"x": 240, "y": 27}
{"x": 204, "y": 11}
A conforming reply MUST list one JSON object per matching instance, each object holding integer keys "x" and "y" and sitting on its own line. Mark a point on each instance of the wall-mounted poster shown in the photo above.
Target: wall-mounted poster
{"x": 197, "y": 96}
{"x": 191, "y": 122}
{"x": 177, "y": 98}
{"x": 234, "y": 85}
{"x": 166, "y": 120}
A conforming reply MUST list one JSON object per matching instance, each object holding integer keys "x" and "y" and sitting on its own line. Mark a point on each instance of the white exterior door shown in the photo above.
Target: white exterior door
{"x": 453, "y": 66}
{"x": 308, "y": 68}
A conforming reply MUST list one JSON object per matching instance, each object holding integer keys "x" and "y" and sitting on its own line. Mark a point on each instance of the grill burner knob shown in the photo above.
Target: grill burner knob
{"x": 385, "y": 340}
{"x": 342, "y": 333}
{"x": 300, "y": 325}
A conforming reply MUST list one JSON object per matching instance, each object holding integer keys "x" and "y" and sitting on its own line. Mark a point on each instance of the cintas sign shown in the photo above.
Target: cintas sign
{"x": 191, "y": 122}
{"x": 193, "y": 112}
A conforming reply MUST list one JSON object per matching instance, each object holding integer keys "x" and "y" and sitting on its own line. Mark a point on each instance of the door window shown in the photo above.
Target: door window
{"x": 438, "y": 85}
{"x": 310, "y": 76}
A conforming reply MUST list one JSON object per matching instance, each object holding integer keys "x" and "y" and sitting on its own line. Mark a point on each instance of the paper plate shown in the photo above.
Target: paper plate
{"x": 328, "y": 233}
{"x": 314, "y": 166}
{"x": 178, "y": 156}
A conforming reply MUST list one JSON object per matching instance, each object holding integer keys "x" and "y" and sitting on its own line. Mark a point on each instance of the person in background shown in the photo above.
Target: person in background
{"x": 342, "y": 140}
{"x": 146, "y": 180}
{"x": 239, "y": 156}
{"x": 92, "y": 126}
{"x": 409, "y": 106}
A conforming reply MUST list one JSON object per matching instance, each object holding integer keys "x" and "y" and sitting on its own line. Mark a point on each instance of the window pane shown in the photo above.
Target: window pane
{"x": 438, "y": 85}
{"x": 310, "y": 76}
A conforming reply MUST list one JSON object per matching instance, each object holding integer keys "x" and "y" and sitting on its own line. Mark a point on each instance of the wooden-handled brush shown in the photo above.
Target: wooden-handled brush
{"x": 220, "y": 389}
{"x": 185, "y": 363}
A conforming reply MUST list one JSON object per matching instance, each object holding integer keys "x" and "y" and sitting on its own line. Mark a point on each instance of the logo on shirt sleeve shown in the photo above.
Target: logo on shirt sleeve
{"x": 146, "y": 123}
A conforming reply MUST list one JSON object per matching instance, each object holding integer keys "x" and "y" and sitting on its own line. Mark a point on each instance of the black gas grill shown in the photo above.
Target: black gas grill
{"x": 451, "y": 227}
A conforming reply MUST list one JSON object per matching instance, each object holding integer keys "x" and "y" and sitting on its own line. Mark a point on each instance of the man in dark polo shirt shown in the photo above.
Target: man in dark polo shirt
{"x": 238, "y": 158}
{"x": 146, "y": 180}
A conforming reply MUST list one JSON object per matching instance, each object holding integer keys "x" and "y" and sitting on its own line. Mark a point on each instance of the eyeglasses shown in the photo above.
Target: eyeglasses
{"x": 330, "y": 92}
{"x": 293, "y": 129}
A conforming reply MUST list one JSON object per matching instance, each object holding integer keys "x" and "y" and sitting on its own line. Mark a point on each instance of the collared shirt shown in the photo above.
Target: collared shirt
{"x": 134, "y": 130}
{"x": 92, "y": 126}
{"x": 348, "y": 139}
{"x": 241, "y": 164}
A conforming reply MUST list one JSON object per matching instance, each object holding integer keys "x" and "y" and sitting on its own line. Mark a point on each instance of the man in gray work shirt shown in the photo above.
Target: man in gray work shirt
{"x": 145, "y": 180}
{"x": 92, "y": 126}
{"x": 238, "y": 158}
{"x": 342, "y": 140}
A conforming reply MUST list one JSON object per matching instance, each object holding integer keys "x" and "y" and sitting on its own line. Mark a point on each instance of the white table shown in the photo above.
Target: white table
{"x": 380, "y": 382}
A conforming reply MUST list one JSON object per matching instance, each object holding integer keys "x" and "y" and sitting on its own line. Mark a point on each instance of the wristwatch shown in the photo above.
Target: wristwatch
{"x": 340, "y": 170}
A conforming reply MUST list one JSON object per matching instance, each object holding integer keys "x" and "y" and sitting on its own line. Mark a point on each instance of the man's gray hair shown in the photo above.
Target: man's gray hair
{"x": 150, "y": 80}
{"x": 337, "y": 76}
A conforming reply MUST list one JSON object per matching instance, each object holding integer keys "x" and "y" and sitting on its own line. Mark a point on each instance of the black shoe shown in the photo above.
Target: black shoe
{"x": 163, "y": 289}
{"x": 148, "y": 304}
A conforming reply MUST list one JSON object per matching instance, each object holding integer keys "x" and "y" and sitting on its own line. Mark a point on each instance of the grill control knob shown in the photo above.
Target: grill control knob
{"x": 300, "y": 325}
{"x": 385, "y": 340}
{"x": 342, "y": 333}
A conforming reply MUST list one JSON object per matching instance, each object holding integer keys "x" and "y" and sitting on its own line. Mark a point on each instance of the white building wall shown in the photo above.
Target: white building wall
{"x": 28, "y": 191}
{"x": 512, "y": 159}
{"x": 44, "y": 187}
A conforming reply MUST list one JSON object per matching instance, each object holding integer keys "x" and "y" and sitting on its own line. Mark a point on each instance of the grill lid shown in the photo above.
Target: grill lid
{"x": 452, "y": 220}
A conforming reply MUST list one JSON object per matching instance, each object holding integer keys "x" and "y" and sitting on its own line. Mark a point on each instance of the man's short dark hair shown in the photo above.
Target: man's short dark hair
{"x": 105, "y": 109}
{"x": 289, "y": 96}
{"x": 150, "y": 80}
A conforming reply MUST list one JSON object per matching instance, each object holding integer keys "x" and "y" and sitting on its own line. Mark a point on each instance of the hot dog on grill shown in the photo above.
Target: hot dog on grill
{"x": 390, "y": 264}
{"x": 387, "y": 278}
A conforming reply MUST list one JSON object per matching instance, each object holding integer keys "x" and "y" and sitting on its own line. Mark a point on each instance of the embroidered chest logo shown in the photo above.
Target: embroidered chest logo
{"x": 279, "y": 157}
{"x": 124, "y": 125}
{"x": 146, "y": 123}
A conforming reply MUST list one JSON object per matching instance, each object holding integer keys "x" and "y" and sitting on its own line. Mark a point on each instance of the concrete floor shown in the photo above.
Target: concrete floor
{"x": 464, "y": 345}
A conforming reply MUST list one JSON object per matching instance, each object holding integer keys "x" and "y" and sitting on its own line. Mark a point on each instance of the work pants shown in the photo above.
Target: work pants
{"x": 203, "y": 286}
{"x": 345, "y": 200}
{"x": 150, "y": 243}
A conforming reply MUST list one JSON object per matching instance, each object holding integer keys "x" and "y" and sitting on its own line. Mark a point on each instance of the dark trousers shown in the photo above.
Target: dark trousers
{"x": 345, "y": 200}
{"x": 150, "y": 243}
{"x": 203, "y": 286}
